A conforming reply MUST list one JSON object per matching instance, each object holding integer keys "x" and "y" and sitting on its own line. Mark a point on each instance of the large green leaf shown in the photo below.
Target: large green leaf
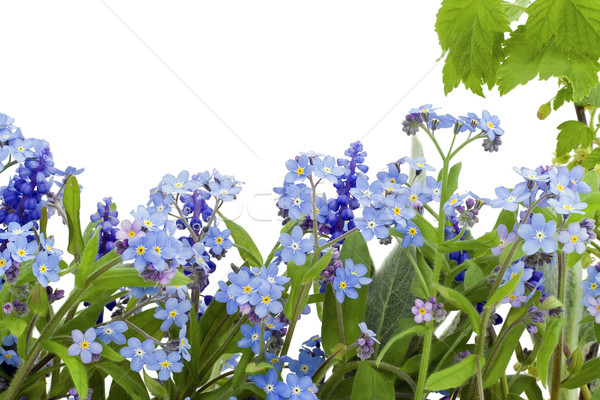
{"x": 459, "y": 301}
{"x": 573, "y": 134}
{"x": 369, "y": 384}
{"x": 389, "y": 297}
{"x": 130, "y": 381}
{"x": 471, "y": 32}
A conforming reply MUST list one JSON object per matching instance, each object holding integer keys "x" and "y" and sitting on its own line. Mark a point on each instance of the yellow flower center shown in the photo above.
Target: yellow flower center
{"x": 593, "y": 286}
{"x": 413, "y": 197}
{"x": 173, "y": 314}
{"x": 43, "y": 269}
{"x": 422, "y": 311}
{"x": 490, "y": 125}
{"x": 219, "y": 240}
{"x": 512, "y": 275}
{"x": 453, "y": 201}
{"x": 247, "y": 289}
{"x": 512, "y": 297}
{"x": 274, "y": 360}
{"x": 266, "y": 299}
{"x": 574, "y": 239}
{"x": 560, "y": 187}
{"x": 397, "y": 210}
{"x": 131, "y": 234}
{"x": 182, "y": 342}
{"x": 392, "y": 180}
{"x": 300, "y": 171}
{"x": 85, "y": 344}
{"x": 2, "y": 262}
{"x": 21, "y": 252}
{"x": 140, "y": 250}
{"x": 157, "y": 249}
{"x": 342, "y": 285}
{"x": 165, "y": 364}
{"x": 412, "y": 231}
{"x": 270, "y": 326}
{"x": 598, "y": 307}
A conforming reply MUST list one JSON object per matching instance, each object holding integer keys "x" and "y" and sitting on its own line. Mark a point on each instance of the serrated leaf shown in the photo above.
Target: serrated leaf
{"x": 592, "y": 159}
{"x": 573, "y": 135}
{"x": 572, "y": 24}
{"x": 453, "y": 376}
{"x": 565, "y": 94}
{"x": 514, "y": 11}
{"x": 472, "y": 32}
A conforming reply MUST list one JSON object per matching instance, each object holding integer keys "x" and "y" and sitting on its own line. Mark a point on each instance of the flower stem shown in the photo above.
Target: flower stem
{"x": 294, "y": 319}
{"x": 340, "y": 318}
{"x": 558, "y": 350}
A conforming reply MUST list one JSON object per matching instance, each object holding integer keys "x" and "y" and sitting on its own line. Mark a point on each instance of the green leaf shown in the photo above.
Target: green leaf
{"x": 296, "y": 274}
{"x": 471, "y": 32}
{"x": 525, "y": 383}
{"x": 453, "y": 175}
{"x": 588, "y": 372}
{"x": 564, "y": 94}
{"x": 592, "y": 99}
{"x": 474, "y": 274}
{"x": 525, "y": 61}
{"x": 453, "y": 376}
{"x": 131, "y": 382}
{"x": 414, "y": 330}
{"x": 572, "y": 24}
{"x": 319, "y": 266}
{"x": 573, "y": 135}
{"x": 495, "y": 368}
{"x": 74, "y": 364}
{"x": 16, "y": 326}
{"x": 370, "y": 384}
{"x": 240, "y": 370}
{"x": 505, "y": 290}
{"x": 426, "y": 229}
{"x": 389, "y": 296}
{"x": 38, "y": 303}
{"x": 592, "y": 159}
{"x": 71, "y": 195}
{"x": 118, "y": 277}
{"x": 86, "y": 317}
{"x": 353, "y": 310}
{"x": 248, "y": 250}
{"x": 549, "y": 342}
{"x": 514, "y": 11}
{"x": 155, "y": 387}
{"x": 87, "y": 260}
{"x": 462, "y": 303}
{"x": 110, "y": 354}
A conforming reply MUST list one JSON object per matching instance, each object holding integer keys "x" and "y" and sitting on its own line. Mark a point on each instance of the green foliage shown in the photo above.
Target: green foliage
{"x": 370, "y": 384}
{"x": 244, "y": 243}
{"x": 549, "y": 342}
{"x": 453, "y": 376}
{"x": 389, "y": 297}
{"x": 471, "y": 32}
{"x": 71, "y": 203}
{"x": 87, "y": 260}
{"x": 462, "y": 303}
{"x": 573, "y": 134}
{"x": 353, "y": 310}
{"x": 74, "y": 365}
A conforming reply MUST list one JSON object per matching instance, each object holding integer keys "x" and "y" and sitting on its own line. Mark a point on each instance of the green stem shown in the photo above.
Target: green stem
{"x": 215, "y": 380}
{"x": 29, "y": 359}
{"x": 323, "y": 367}
{"x": 210, "y": 363}
{"x": 558, "y": 350}
{"x": 294, "y": 318}
{"x": 337, "y": 239}
{"x": 420, "y": 391}
{"x": 492, "y": 358}
{"x": 340, "y": 318}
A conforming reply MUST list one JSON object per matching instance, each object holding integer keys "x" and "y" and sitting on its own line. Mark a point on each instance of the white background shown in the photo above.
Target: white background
{"x": 134, "y": 90}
